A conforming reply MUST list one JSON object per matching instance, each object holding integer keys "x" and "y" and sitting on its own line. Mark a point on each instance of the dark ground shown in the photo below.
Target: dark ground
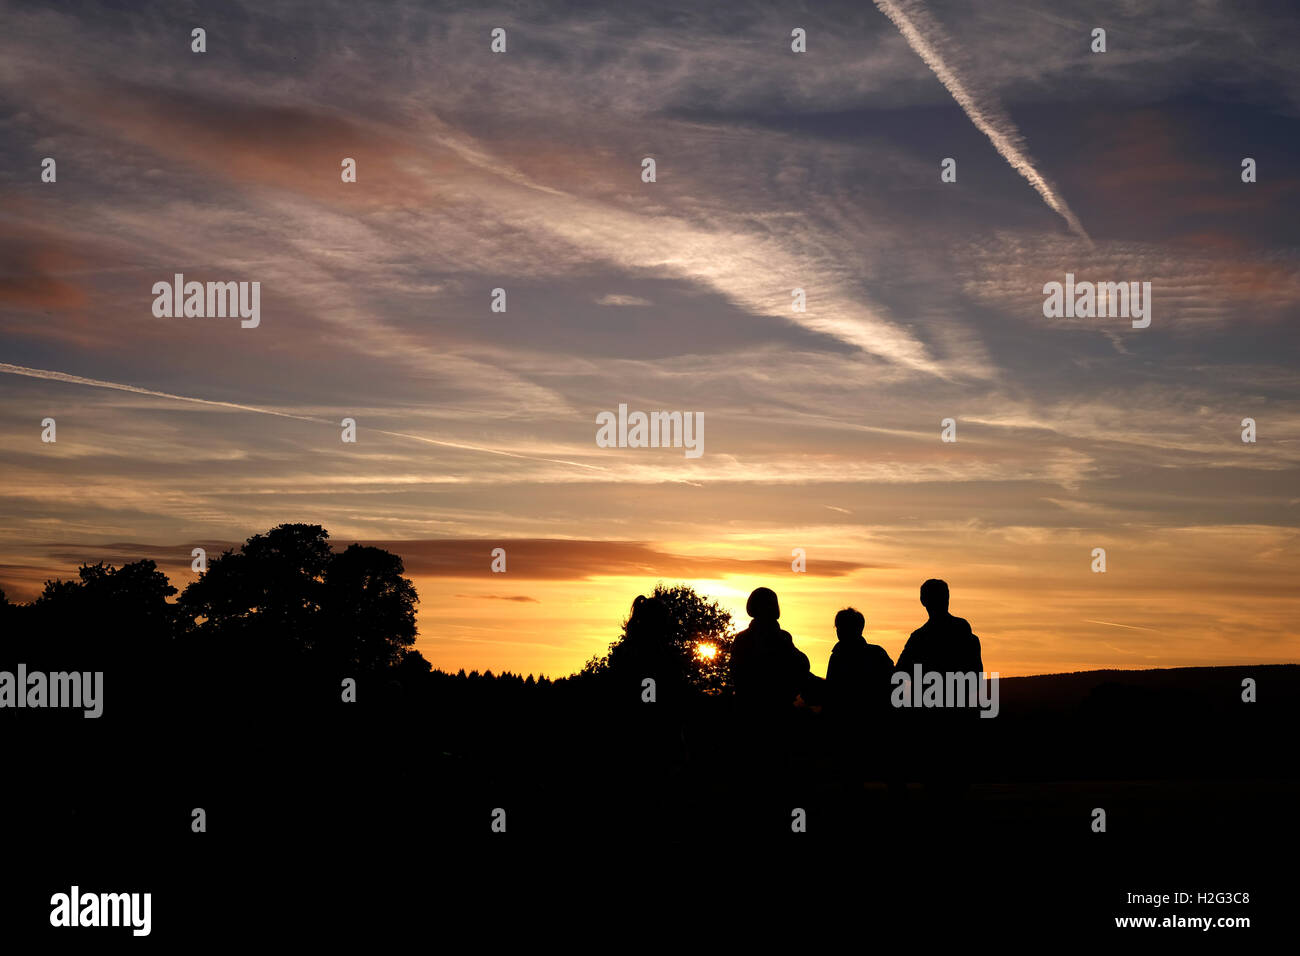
{"x": 373, "y": 820}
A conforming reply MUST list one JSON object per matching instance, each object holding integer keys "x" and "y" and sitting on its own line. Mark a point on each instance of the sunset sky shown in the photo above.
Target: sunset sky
{"x": 775, "y": 170}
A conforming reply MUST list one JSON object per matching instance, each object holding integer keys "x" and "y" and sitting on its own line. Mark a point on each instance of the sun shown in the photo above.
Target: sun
{"x": 706, "y": 652}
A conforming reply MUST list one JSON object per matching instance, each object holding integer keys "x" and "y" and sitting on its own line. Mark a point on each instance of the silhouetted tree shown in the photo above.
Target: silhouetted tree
{"x": 268, "y": 594}
{"x": 285, "y": 595}
{"x": 369, "y": 608}
{"x": 684, "y": 623}
{"x": 124, "y": 607}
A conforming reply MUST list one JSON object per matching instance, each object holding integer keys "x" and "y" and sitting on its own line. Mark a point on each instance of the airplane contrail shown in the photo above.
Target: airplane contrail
{"x": 1131, "y": 627}
{"x": 52, "y": 376}
{"x": 987, "y": 116}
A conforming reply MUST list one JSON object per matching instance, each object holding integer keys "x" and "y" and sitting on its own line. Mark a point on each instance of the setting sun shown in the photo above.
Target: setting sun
{"x": 706, "y": 651}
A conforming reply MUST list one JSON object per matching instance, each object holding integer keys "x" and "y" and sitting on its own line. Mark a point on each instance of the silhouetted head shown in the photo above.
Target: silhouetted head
{"x": 649, "y": 617}
{"x": 934, "y": 596}
{"x": 762, "y": 604}
{"x": 849, "y": 623}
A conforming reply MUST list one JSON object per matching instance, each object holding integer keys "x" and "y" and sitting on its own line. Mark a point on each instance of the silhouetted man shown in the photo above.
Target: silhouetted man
{"x": 943, "y": 643}
{"x": 938, "y": 740}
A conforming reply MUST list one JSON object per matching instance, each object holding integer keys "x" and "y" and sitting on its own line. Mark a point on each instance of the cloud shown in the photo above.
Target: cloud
{"x": 52, "y": 376}
{"x": 537, "y": 559}
{"x": 612, "y": 299}
{"x": 1195, "y": 283}
{"x": 574, "y": 560}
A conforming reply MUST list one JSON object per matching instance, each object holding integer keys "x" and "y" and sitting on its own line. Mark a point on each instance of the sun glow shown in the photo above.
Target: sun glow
{"x": 706, "y": 652}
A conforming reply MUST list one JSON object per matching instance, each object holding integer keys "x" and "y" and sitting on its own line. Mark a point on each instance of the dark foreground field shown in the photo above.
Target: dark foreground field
{"x": 331, "y": 819}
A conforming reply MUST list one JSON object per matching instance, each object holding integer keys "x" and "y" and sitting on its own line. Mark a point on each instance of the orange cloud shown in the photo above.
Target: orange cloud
{"x": 568, "y": 560}
{"x": 285, "y": 147}
{"x": 31, "y": 260}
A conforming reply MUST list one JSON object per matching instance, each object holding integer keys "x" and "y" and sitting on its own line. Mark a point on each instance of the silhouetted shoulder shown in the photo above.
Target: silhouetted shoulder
{"x": 911, "y": 649}
{"x": 801, "y": 661}
{"x": 879, "y": 656}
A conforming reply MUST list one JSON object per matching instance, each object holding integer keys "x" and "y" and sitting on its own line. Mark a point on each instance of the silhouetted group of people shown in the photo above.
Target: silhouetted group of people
{"x": 787, "y": 721}
{"x": 770, "y": 674}
{"x": 871, "y": 736}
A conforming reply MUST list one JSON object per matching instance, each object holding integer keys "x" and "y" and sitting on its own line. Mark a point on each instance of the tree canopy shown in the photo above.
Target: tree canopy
{"x": 289, "y": 592}
{"x": 670, "y": 641}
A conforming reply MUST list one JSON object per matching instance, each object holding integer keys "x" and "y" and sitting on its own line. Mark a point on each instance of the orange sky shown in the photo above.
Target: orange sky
{"x": 1194, "y": 597}
{"x": 1185, "y": 597}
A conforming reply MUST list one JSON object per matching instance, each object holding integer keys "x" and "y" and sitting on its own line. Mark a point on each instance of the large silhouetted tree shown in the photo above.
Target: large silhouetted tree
{"x": 271, "y": 588}
{"x": 285, "y": 595}
{"x": 369, "y": 608}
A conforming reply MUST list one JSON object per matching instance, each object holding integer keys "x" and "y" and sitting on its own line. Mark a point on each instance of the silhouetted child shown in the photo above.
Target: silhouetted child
{"x": 858, "y": 676}
{"x": 858, "y": 682}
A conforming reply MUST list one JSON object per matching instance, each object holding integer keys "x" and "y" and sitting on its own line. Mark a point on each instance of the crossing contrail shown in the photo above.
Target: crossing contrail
{"x": 52, "y": 376}
{"x": 987, "y": 116}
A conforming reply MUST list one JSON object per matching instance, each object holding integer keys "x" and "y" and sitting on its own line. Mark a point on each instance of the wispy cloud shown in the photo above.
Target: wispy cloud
{"x": 614, "y": 299}
{"x": 53, "y": 376}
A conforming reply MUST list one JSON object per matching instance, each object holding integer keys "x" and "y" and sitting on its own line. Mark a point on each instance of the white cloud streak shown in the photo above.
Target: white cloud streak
{"x": 52, "y": 376}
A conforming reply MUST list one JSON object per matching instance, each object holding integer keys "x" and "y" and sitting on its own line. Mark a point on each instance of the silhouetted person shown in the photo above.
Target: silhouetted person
{"x": 943, "y": 643}
{"x": 646, "y": 733}
{"x": 767, "y": 670}
{"x": 938, "y": 739}
{"x": 768, "y": 673}
{"x": 858, "y": 687}
{"x": 858, "y": 675}
{"x": 646, "y": 651}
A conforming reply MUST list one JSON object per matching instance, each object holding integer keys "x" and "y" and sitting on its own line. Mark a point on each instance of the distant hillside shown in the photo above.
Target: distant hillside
{"x": 1213, "y": 688}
